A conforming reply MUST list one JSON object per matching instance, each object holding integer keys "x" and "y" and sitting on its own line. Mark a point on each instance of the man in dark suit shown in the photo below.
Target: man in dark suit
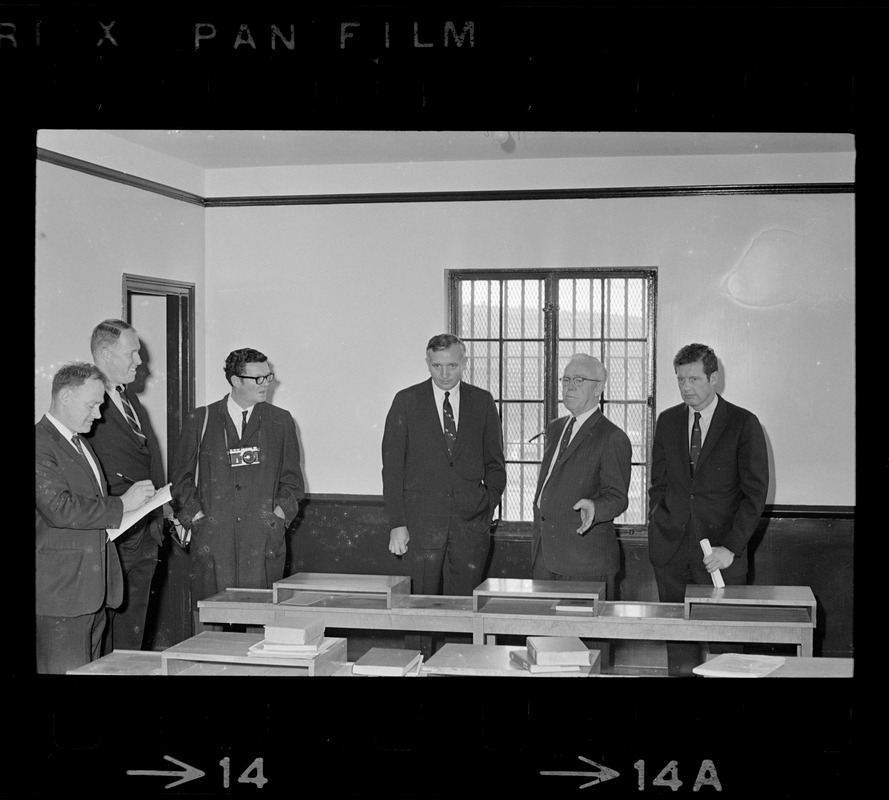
{"x": 443, "y": 474}
{"x": 77, "y": 572}
{"x": 128, "y": 451}
{"x": 582, "y": 486}
{"x": 709, "y": 479}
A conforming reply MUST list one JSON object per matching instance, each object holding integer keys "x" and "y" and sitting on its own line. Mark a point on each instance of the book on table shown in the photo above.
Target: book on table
{"x": 525, "y": 661}
{"x": 575, "y": 606}
{"x": 388, "y": 661}
{"x": 738, "y": 665}
{"x": 558, "y": 650}
{"x": 273, "y": 649}
{"x": 295, "y": 629}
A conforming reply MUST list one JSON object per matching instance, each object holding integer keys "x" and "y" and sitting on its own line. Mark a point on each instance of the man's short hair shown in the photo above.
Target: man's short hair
{"x": 107, "y": 333}
{"x": 443, "y": 341}
{"x": 74, "y": 375}
{"x": 237, "y": 359}
{"x": 692, "y": 353}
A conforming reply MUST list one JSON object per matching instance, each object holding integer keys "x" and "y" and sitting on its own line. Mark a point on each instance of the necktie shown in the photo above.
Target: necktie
{"x": 566, "y": 437}
{"x": 130, "y": 414}
{"x": 76, "y": 440}
{"x": 450, "y": 426}
{"x": 243, "y": 423}
{"x": 695, "y": 449}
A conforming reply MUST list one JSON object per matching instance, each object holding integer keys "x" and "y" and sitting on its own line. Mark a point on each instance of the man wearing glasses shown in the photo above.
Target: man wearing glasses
{"x": 582, "y": 486}
{"x": 237, "y": 482}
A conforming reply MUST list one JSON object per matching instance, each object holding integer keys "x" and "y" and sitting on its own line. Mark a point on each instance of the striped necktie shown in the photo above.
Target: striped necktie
{"x": 130, "y": 414}
{"x": 76, "y": 441}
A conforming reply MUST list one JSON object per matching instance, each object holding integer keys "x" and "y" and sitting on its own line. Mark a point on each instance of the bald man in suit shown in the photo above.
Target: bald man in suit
{"x": 583, "y": 484}
{"x": 78, "y": 574}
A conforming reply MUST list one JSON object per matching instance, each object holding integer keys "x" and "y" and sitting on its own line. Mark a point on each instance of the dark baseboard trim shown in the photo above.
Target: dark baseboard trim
{"x": 508, "y": 528}
{"x": 500, "y": 195}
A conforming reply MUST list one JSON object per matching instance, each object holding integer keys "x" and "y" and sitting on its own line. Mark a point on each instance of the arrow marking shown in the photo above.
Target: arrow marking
{"x": 603, "y": 773}
{"x": 189, "y": 774}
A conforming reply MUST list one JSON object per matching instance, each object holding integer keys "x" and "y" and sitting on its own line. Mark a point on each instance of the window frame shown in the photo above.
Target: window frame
{"x": 550, "y": 277}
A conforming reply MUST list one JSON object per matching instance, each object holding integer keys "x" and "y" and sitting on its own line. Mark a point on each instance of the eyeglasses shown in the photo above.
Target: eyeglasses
{"x": 577, "y": 381}
{"x": 260, "y": 379}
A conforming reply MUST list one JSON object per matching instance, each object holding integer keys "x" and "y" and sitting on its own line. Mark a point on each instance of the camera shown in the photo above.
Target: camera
{"x": 243, "y": 456}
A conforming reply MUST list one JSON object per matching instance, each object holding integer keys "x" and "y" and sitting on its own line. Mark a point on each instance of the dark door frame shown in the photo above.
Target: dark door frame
{"x": 180, "y": 303}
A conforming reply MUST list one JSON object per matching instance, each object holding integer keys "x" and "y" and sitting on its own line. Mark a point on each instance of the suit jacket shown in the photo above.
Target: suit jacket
{"x": 77, "y": 572}
{"x": 423, "y": 486}
{"x": 595, "y": 466}
{"x": 724, "y": 500}
{"x": 120, "y": 450}
{"x": 240, "y": 541}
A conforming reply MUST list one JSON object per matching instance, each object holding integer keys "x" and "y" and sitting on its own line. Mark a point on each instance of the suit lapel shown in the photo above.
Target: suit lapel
{"x": 66, "y": 446}
{"x": 578, "y": 439}
{"x": 717, "y": 426}
{"x": 431, "y": 418}
{"x": 465, "y": 416}
{"x": 116, "y": 417}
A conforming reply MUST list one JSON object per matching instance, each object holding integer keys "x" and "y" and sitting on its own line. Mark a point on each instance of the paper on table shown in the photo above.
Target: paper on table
{"x": 160, "y": 497}
{"x": 718, "y": 582}
{"x": 738, "y": 665}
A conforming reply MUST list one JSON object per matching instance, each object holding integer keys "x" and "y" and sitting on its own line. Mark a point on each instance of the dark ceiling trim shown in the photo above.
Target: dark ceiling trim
{"x": 49, "y": 157}
{"x": 532, "y": 194}
{"x": 623, "y": 192}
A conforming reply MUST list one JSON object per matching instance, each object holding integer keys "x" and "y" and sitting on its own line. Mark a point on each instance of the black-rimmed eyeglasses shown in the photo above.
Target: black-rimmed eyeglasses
{"x": 577, "y": 381}
{"x": 260, "y": 379}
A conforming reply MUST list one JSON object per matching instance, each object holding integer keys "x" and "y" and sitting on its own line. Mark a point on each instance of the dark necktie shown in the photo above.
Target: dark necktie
{"x": 76, "y": 440}
{"x": 695, "y": 449}
{"x": 130, "y": 414}
{"x": 566, "y": 437}
{"x": 243, "y": 423}
{"x": 450, "y": 426}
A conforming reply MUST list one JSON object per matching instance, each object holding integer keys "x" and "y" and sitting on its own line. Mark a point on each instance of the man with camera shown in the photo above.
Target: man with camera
{"x": 237, "y": 482}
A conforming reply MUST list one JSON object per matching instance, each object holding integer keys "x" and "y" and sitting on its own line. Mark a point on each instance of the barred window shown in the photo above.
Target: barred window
{"x": 522, "y": 326}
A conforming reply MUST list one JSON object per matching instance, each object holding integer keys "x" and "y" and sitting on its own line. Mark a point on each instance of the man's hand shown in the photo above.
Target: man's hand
{"x": 719, "y": 558}
{"x": 398, "y": 539}
{"x": 587, "y": 509}
{"x": 137, "y": 495}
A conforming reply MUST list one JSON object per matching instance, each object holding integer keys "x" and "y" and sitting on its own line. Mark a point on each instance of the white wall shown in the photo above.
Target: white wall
{"x": 343, "y": 299}
{"x": 89, "y": 232}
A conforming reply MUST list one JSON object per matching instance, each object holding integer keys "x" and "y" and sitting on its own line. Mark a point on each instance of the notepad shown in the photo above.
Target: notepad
{"x": 738, "y": 665}
{"x": 387, "y": 661}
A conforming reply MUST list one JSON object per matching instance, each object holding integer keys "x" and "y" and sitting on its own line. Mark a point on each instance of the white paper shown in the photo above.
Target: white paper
{"x": 160, "y": 497}
{"x": 718, "y": 581}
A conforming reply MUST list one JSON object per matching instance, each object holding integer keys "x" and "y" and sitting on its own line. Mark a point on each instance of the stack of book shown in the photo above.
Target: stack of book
{"x": 297, "y": 636}
{"x": 544, "y": 654}
{"x": 389, "y": 661}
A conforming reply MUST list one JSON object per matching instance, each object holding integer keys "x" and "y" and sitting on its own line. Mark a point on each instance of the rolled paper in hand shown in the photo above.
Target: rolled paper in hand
{"x": 718, "y": 582}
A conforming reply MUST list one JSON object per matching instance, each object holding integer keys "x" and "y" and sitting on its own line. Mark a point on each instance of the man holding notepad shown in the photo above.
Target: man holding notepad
{"x": 709, "y": 478}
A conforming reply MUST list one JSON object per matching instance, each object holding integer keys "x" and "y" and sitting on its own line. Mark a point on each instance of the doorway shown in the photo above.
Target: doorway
{"x": 162, "y": 312}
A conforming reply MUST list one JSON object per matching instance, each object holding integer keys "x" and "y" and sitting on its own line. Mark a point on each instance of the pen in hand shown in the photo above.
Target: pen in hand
{"x": 121, "y": 475}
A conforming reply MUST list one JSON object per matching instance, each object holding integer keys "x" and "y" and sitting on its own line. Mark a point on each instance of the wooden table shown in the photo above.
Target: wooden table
{"x": 217, "y": 653}
{"x": 492, "y": 660}
{"x": 641, "y": 621}
{"x": 704, "y": 621}
{"x": 123, "y": 662}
